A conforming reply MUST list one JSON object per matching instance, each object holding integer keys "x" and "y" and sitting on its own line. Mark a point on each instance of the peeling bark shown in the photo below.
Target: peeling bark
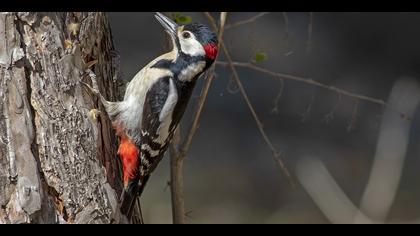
{"x": 56, "y": 164}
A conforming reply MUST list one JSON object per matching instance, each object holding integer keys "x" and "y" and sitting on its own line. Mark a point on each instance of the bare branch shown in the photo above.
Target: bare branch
{"x": 212, "y": 22}
{"x": 276, "y": 154}
{"x": 247, "y": 21}
{"x": 307, "y": 113}
{"x": 187, "y": 142}
{"x": 194, "y": 125}
{"x": 177, "y": 183}
{"x": 275, "y": 108}
{"x": 178, "y": 154}
{"x": 314, "y": 83}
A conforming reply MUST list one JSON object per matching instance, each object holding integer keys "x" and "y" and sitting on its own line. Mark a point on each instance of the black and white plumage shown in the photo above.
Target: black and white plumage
{"x": 155, "y": 101}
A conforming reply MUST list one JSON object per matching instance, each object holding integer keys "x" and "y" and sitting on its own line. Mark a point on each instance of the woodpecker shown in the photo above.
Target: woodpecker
{"x": 155, "y": 101}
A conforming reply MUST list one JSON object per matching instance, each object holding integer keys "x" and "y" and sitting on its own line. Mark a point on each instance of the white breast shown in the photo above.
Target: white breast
{"x": 191, "y": 71}
{"x": 135, "y": 95}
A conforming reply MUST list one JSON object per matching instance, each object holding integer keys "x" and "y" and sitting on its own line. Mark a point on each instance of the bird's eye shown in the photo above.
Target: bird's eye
{"x": 186, "y": 35}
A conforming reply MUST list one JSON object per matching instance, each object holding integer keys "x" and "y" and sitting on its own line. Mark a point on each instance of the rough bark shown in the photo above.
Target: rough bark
{"x": 57, "y": 165}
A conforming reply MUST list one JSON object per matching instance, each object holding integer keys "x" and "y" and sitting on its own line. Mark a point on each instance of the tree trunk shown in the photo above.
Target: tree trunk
{"x": 57, "y": 163}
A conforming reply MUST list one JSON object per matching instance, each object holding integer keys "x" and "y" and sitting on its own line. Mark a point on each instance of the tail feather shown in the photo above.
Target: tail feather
{"x": 128, "y": 197}
{"x": 133, "y": 190}
{"x": 128, "y": 152}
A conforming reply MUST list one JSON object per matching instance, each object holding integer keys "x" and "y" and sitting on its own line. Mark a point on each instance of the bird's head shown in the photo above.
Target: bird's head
{"x": 194, "y": 40}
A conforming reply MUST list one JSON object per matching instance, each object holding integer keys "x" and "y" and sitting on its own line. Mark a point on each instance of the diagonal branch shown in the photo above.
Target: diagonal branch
{"x": 187, "y": 143}
{"x": 275, "y": 152}
{"x": 314, "y": 83}
{"x": 247, "y": 21}
{"x": 177, "y": 153}
{"x": 194, "y": 124}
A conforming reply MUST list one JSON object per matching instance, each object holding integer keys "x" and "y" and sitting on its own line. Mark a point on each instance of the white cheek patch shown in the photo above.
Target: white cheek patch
{"x": 192, "y": 47}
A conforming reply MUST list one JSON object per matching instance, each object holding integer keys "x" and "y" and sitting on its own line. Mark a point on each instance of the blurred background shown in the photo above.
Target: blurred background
{"x": 230, "y": 175}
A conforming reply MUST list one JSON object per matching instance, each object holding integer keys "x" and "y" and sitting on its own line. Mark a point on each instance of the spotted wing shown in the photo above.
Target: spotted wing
{"x": 159, "y": 104}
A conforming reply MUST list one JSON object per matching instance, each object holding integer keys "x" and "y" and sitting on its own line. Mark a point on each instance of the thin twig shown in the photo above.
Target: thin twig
{"x": 213, "y": 24}
{"x": 275, "y": 108}
{"x": 177, "y": 153}
{"x": 307, "y": 113}
{"x": 314, "y": 83}
{"x": 276, "y": 154}
{"x": 187, "y": 143}
{"x": 194, "y": 125}
{"x": 247, "y": 21}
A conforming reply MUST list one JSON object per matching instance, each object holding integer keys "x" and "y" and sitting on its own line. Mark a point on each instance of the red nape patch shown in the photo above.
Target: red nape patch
{"x": 129, "y": 154}
{"x": 211, "y": 50}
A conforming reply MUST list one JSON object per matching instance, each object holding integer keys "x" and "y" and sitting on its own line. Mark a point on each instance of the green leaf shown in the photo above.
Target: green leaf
{"x": 182, "y": 19}
{"x": 185, "y": 19}
{"x": 260, "y": 56}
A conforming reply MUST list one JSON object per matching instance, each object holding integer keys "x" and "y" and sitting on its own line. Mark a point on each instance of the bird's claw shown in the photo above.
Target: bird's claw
{"x": 94, "y": 88}
{"x": 95, "y": 91}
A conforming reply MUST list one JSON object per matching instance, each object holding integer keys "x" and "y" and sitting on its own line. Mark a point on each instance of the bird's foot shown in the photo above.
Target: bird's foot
{"x": 94, "y": 88}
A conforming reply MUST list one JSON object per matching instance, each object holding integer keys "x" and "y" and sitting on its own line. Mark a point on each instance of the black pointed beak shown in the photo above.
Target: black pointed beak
{"x": 169, "y": 25}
